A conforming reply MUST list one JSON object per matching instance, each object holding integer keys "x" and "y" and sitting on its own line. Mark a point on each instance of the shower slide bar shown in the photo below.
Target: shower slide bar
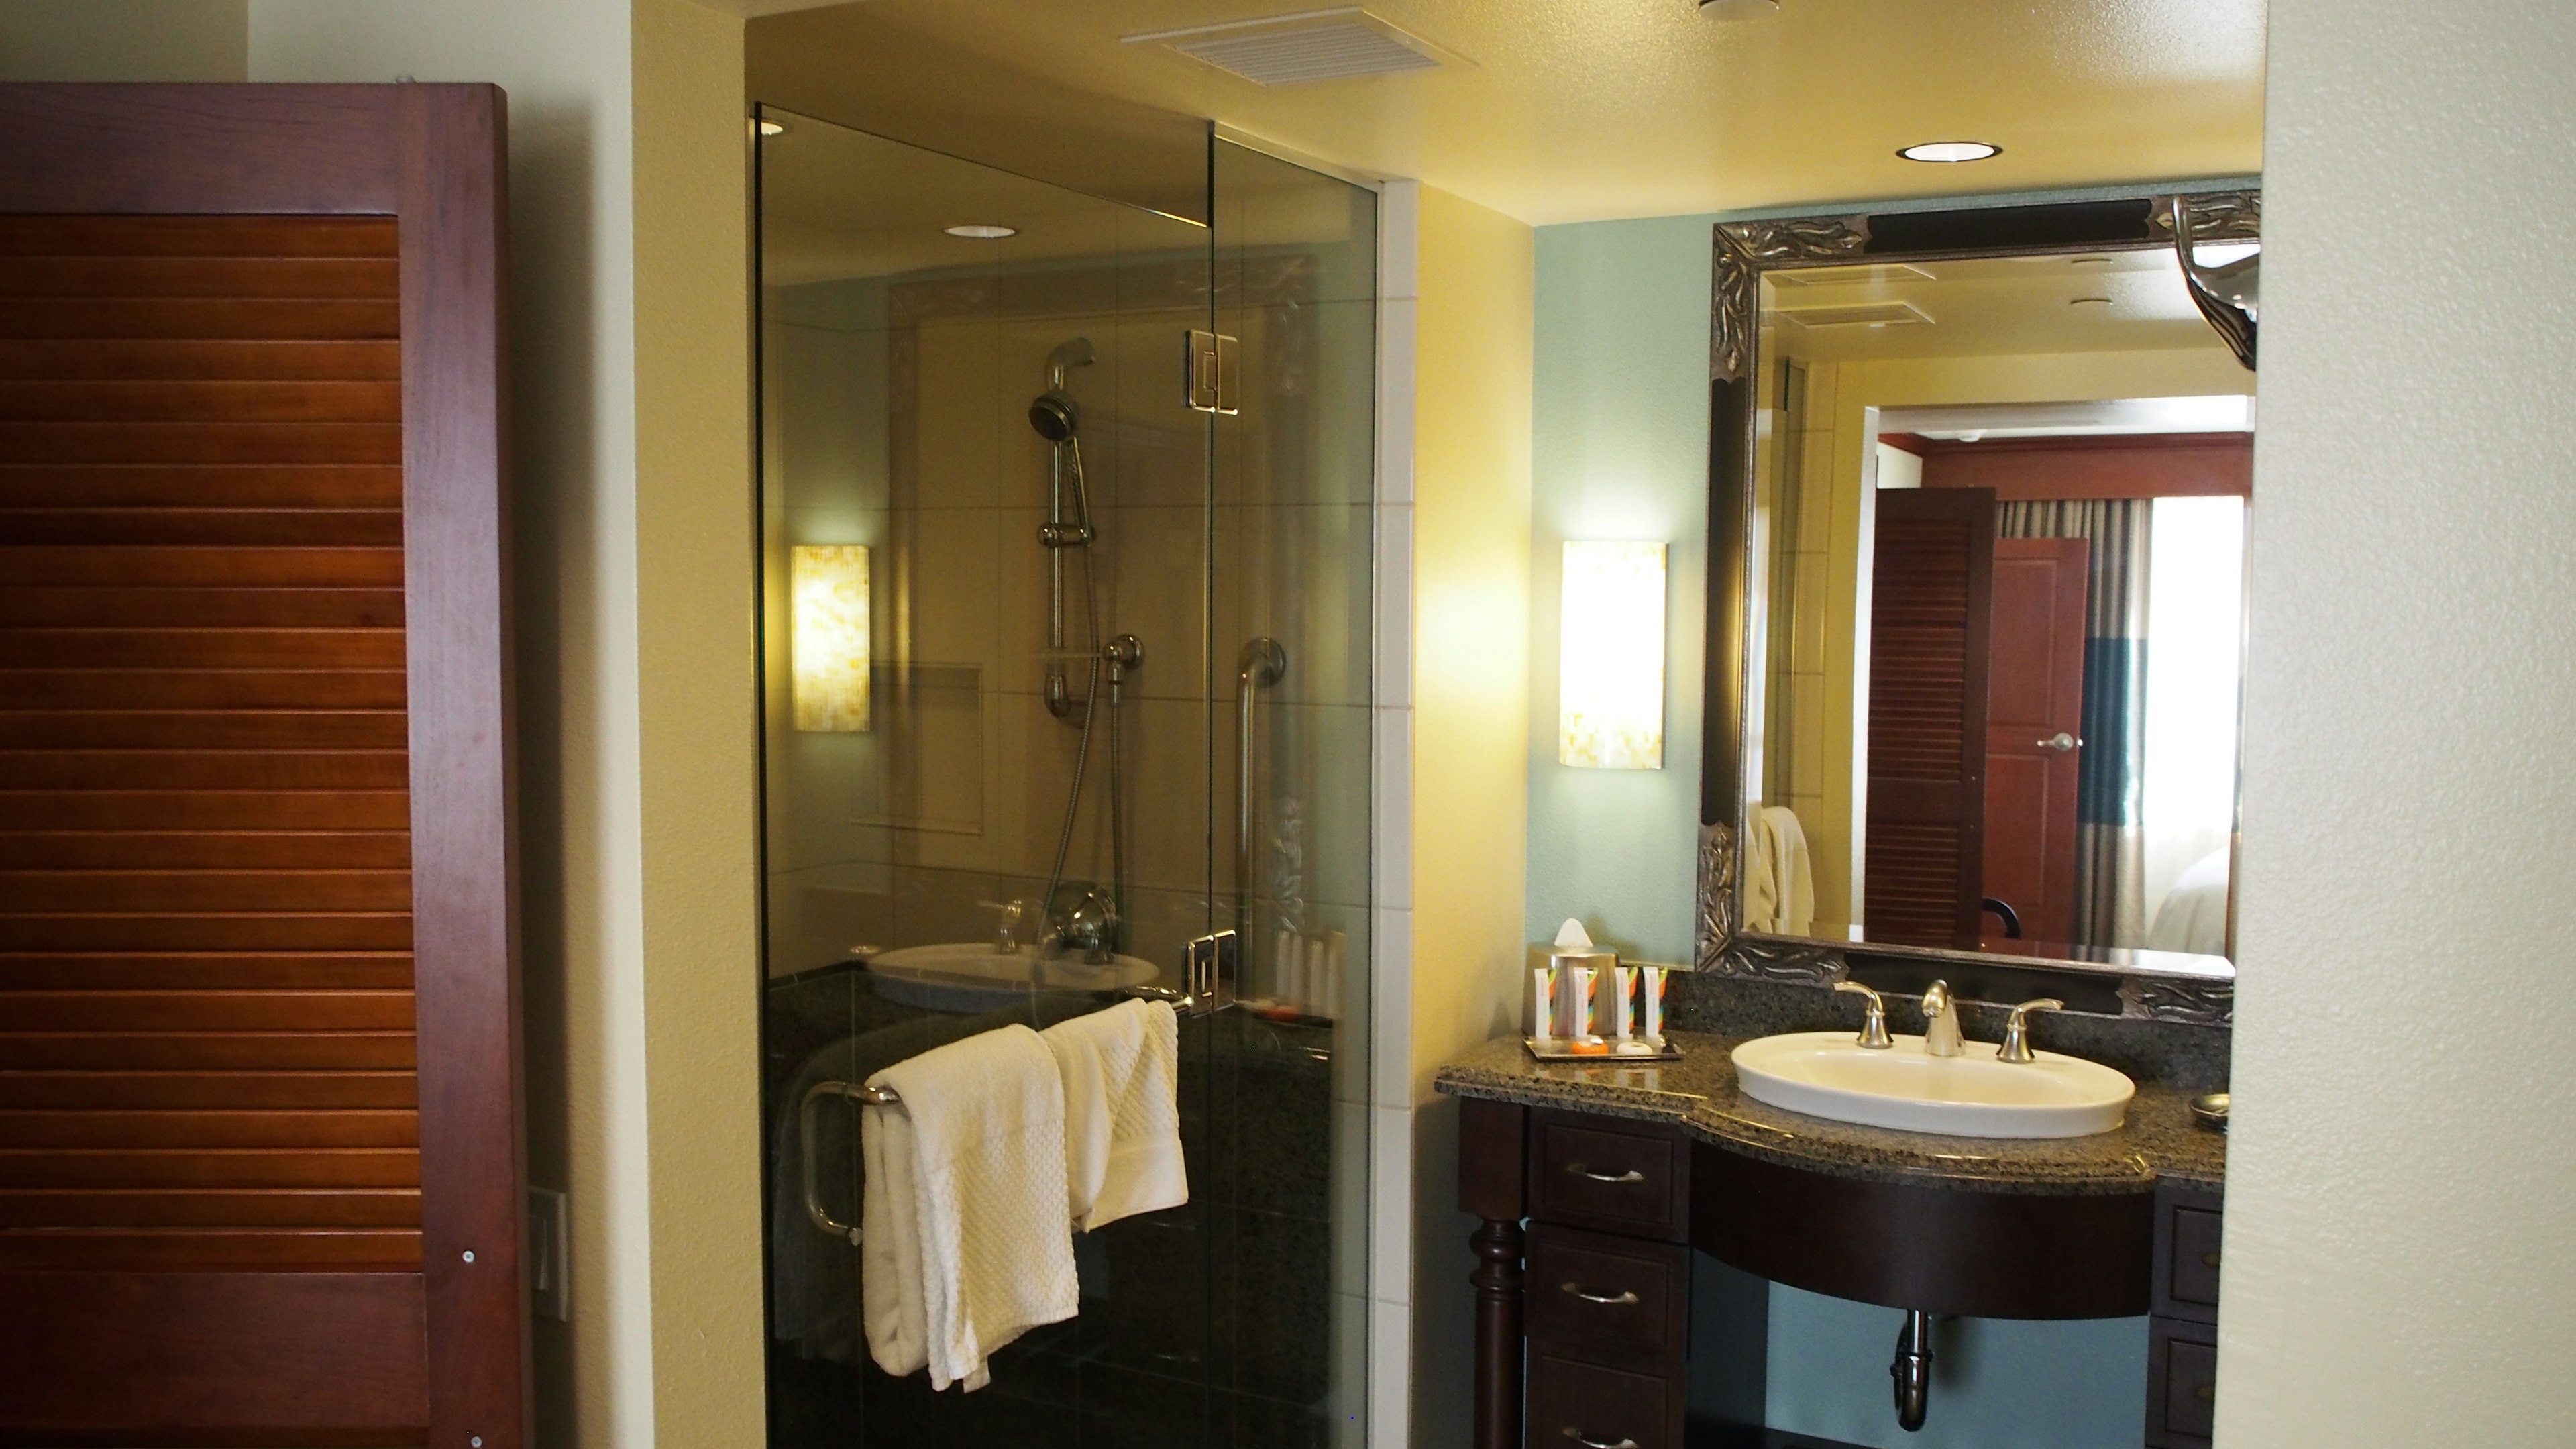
{"x": 1204, "y": 954}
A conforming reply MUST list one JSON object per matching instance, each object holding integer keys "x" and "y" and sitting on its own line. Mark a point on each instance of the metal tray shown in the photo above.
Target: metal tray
{"x": 1558, "y": 1051}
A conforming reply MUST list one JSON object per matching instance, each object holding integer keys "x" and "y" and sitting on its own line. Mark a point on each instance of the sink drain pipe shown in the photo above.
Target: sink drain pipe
{"x": 1912, "y": 1370}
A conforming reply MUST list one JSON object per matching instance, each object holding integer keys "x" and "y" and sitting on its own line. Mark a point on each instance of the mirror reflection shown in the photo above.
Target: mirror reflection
{"x": 1997, "y": 613}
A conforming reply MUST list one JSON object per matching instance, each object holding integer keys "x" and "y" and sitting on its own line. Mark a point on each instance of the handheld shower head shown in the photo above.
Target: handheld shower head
{"x": 1052, "y": 414}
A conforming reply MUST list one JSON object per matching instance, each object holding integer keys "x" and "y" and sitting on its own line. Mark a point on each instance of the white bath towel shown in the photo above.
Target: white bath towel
{"x": 966, "y": 1243}
{"x": 1757, "y": 899}
{"x": 1122, "y": 1115}
{"x": 1793, "y": 888}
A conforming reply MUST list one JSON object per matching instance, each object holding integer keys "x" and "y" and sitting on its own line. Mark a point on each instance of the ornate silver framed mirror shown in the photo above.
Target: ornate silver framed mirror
{"x": 1980, "y": 482}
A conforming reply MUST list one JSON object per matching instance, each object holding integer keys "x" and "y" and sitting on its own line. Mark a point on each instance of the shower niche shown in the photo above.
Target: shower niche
{"x": 1063, "y": 672}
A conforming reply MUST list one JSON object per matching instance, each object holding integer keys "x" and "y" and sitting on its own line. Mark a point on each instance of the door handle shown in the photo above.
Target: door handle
{"x": 1576, "y": 1435}
{"x": 2061, "y": 742}
{"x": 1606, "y": 1300}
{"x": 1579, "y": 1170}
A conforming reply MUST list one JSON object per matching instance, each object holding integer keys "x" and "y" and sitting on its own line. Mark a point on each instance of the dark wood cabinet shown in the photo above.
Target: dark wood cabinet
{"x": 1624, "y": 1272}
{"x": 2182, "y": 1337}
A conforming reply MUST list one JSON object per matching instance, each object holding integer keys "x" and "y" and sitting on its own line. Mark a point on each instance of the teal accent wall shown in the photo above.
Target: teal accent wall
{"x": 1619, "y": 450}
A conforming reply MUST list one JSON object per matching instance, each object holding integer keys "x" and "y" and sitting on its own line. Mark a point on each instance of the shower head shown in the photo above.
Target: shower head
{"x": 1052, "y": 415}
{"x": 1073, "y": 353}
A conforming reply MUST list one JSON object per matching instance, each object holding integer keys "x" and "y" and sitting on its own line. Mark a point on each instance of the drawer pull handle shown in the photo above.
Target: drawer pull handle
{"x": 2209, "y": 1259}
{"x": 1577, "y": 1169}
{"x": 1607, "y": 1300}
{"x": 1576, "y": 1435}
{"x": 2206, "y": 1393}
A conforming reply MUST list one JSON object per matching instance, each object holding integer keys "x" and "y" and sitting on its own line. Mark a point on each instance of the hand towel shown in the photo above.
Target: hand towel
{"x": 966, "y": 1245}
{"x": 1794, "y": 891}
{"x": 1122, "y": 1115}
{"x": 1757, "y": 897}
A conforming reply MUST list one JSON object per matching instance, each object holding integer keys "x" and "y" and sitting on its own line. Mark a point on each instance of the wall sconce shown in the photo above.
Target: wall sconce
{"x": 827, "y": 643}
{"x": 1610, "y": 670}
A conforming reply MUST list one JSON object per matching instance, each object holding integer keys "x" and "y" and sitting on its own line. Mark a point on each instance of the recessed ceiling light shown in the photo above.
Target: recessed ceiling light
{"x": 1739, "y": 9}
{"x": 1950, "y": 151}
{"x": 2090, "y": 302}
{"x": 771, "y": 128}
{"x": 981, "y": 231}
{"x": 2095, "y": 261}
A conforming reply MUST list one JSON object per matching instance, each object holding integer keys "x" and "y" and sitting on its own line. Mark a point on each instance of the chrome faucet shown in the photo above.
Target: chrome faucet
{"x": 1940, "y": 1022}
{"x": 1006, "y": 930}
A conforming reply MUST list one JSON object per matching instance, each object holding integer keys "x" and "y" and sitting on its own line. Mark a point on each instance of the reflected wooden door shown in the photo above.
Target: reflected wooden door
{"x": 1930, "y": 592}
{"x": 2034, "y": 720}
{"x": 260, "y": 1174}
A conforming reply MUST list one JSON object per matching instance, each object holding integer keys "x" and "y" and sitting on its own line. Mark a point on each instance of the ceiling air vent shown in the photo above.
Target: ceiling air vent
{"x": 1858, "y": 314}
{"x": 1312, "y": 45}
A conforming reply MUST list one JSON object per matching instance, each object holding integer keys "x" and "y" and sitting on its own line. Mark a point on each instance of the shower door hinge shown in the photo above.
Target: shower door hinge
{"x": 1207, "y": 372}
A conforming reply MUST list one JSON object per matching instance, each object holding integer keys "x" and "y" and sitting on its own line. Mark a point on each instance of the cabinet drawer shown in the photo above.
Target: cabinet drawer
{"x": 2182, "y": 1385}
{"x": 1595, "y": 1295}
{"x": 1594, "y": 1172}
{"x": 2193, "y": 1275}
{"x": 2188, "y": 1225}
{"x": 1573, "y": 1405}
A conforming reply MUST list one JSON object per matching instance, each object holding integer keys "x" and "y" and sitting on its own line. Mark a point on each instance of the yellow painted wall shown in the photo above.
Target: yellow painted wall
{"x": 696, "y": 576}
{"x": 124, "y": 40}
{"x": 1824, "y": 713}
{"x": 1471, "y": 565}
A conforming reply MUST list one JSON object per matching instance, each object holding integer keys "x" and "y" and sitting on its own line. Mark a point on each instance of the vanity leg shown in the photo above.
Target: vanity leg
{"x": 1498, "y": 1334}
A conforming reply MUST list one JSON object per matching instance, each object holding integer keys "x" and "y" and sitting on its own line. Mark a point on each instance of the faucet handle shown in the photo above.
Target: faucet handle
{"x": 1873, "y": 1022}
{"x": 2016, "y": 1045}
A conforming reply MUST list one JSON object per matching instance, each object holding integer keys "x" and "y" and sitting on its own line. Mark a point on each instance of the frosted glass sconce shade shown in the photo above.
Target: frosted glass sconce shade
{"x": 1610, "y": 671}
{"x": 827, "y": 586}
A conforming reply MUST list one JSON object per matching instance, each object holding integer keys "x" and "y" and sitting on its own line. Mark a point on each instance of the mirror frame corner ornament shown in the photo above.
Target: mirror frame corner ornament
{"x": 1742, "y": 252}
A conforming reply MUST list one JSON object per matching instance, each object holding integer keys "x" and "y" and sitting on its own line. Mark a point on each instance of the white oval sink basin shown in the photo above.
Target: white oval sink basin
{"x": 972, "y": 976}
{"x": 1828, "y": 1074}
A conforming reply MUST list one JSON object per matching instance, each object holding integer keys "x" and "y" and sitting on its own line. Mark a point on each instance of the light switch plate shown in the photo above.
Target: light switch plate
{"x": 549, "y": 1256}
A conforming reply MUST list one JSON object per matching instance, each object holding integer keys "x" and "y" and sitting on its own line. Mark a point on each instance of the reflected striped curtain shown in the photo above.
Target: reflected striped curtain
{"x": 2111, "y": 842}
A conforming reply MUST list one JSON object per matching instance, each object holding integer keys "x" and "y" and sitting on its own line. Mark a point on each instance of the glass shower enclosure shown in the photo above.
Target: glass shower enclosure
{"x": 1066, "y": 637}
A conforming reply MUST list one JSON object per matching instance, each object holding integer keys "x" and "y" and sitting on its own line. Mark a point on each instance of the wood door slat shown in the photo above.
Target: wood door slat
{"x": 218, "y": 850}
{"x": 139, "y": 1167}
{"x": 265, "y": 770}
{"x": 203, "y": 730}
{"x": 210, "y": 1050}
{"x": 150, "y": 442}
{"x": 197, "y": 236}
{"x": 147, "y": 359}
{"x": 190, "y": 319}
{"x": 206, "y": 971}
{"x": 253, "y": 528}
{"x": 207, "y": 1011}
{"x": 276, "y": 932}
{"x": 199, "y": 689}
{"x": 219, "y": 400}
{"x": 98, "y": 649}
{"x": 224, "y": 277}
{"x": 272, "y": 1249}
{"x": 208, "y": 1090}
{"x": 209, "y": 809}
{"x": 211, "y": 1207}
{"x": 191, "y": 1129}
{"x": 183, "y": 891}
{"x": 98, "y": 606}
{"x": 190, "y": 485}
{"x": 153, "y": 566}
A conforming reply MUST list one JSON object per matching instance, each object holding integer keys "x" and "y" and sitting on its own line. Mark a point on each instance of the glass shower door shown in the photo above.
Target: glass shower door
{"x": 1008, "y": 578}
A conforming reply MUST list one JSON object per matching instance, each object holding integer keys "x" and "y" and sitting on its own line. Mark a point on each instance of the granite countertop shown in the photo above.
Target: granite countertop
{"x": 2160, "y": 1139}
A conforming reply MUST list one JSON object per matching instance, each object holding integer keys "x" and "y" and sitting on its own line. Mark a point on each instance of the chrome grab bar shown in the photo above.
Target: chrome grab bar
{"x": 1261, "y": 662}
{"x": 857, "y": 1093}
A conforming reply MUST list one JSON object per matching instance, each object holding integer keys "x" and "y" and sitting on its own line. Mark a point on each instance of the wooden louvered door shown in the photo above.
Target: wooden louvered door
{"x": 259, "y": 1156}
{"x": 1931, "y": 598}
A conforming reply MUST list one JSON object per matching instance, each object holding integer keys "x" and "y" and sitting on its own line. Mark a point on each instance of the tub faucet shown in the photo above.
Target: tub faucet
{"x": 1940, "y": 1022}
{"x": 1006, "y": 929}
{"x": 1082, "y": 917}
